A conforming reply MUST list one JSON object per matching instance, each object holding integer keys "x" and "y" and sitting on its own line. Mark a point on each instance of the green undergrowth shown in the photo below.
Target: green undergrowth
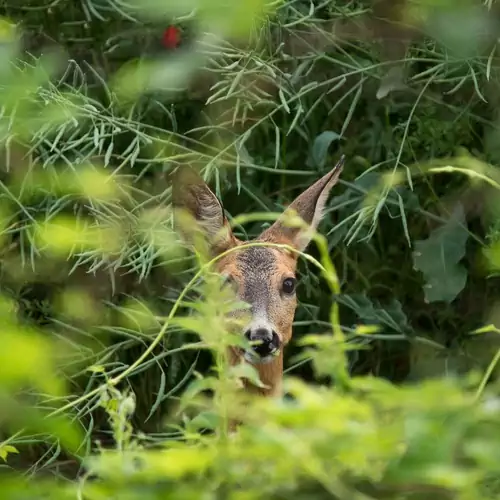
{"x": 113, "y": 378}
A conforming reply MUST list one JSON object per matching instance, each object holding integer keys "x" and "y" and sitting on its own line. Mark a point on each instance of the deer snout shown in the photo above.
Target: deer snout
{"x": 267, "y": 342}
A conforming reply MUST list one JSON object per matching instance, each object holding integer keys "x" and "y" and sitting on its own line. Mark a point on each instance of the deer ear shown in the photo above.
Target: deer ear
{"x": 192, "y": 197}
{"x": 309, "y": 207}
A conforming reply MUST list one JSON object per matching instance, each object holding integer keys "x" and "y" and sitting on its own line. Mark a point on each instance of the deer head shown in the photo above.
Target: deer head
{"x": 262, "y": 276}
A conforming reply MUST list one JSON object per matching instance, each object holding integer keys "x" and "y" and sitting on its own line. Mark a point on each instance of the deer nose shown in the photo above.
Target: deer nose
{"x": 268, "y": 341}
{"x": 262, "y": 334}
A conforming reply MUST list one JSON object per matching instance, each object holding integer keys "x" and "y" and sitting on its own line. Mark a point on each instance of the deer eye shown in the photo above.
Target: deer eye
{"x": 288, "y": 285}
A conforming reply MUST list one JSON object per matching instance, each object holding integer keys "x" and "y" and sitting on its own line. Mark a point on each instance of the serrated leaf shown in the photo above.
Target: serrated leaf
{"x": 438, "y": 259}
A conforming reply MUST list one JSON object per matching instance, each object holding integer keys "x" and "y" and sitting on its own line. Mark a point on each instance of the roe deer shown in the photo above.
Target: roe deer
{"x": 264, "y": 277}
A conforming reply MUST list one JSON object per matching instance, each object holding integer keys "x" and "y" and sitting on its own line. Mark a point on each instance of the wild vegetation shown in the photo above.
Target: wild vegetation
{"x": 114, "y": 382}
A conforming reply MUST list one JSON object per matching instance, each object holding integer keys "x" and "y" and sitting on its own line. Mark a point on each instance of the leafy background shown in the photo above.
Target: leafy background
{"x": 406, "y": 90}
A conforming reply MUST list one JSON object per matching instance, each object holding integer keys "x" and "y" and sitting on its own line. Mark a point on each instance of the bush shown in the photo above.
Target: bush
{"x": 114, "y": 379}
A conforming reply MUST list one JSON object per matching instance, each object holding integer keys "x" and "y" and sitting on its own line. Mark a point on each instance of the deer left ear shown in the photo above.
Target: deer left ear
{"x": 192, "y": 195}
{"x": 309, "y": 206}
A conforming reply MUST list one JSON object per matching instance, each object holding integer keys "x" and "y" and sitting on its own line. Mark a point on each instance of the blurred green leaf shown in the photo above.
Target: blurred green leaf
{"x": 204, "y": 420}
{"x": 223, "y": 17}
{"x": 148, "y": 467}
{"x": 438, "y": 259}
{"x": 34, "y": 367}
{"x": 247, "y": 371}
{"x": 5, "y": 450}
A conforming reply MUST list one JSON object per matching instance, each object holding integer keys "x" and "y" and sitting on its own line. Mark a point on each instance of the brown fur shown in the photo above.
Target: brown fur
{"x": 257, "y": 272}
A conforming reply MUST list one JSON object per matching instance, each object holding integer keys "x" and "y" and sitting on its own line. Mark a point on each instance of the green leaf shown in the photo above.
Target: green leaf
{"x": 204, "y": 420}
{"x": 247, "y": 371}
{"x": 5, "y": 449}
{"x": 319, "y": 150}
{"x": 195, "y": 388}
{"x": 438, "y": 259}
{"x": 391, "y": 316}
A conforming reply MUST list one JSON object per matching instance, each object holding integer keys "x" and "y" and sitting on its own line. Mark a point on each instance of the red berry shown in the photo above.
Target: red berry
{"x": 171, "y": 37}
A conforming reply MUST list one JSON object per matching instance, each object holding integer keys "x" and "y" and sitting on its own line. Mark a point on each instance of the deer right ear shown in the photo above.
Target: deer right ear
{"x": 192, "y": 196}
{"x": 309, "y": 207}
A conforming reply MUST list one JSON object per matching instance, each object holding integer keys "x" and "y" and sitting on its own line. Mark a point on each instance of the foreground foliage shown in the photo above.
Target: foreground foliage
{"x": 114, "y": 333}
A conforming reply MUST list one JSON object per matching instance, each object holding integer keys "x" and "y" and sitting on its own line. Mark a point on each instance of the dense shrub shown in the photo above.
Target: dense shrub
{"x": 113, "y": 375}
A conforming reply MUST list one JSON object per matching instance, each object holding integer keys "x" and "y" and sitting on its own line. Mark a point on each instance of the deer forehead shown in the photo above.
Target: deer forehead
{"x": 259, "y": 270}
